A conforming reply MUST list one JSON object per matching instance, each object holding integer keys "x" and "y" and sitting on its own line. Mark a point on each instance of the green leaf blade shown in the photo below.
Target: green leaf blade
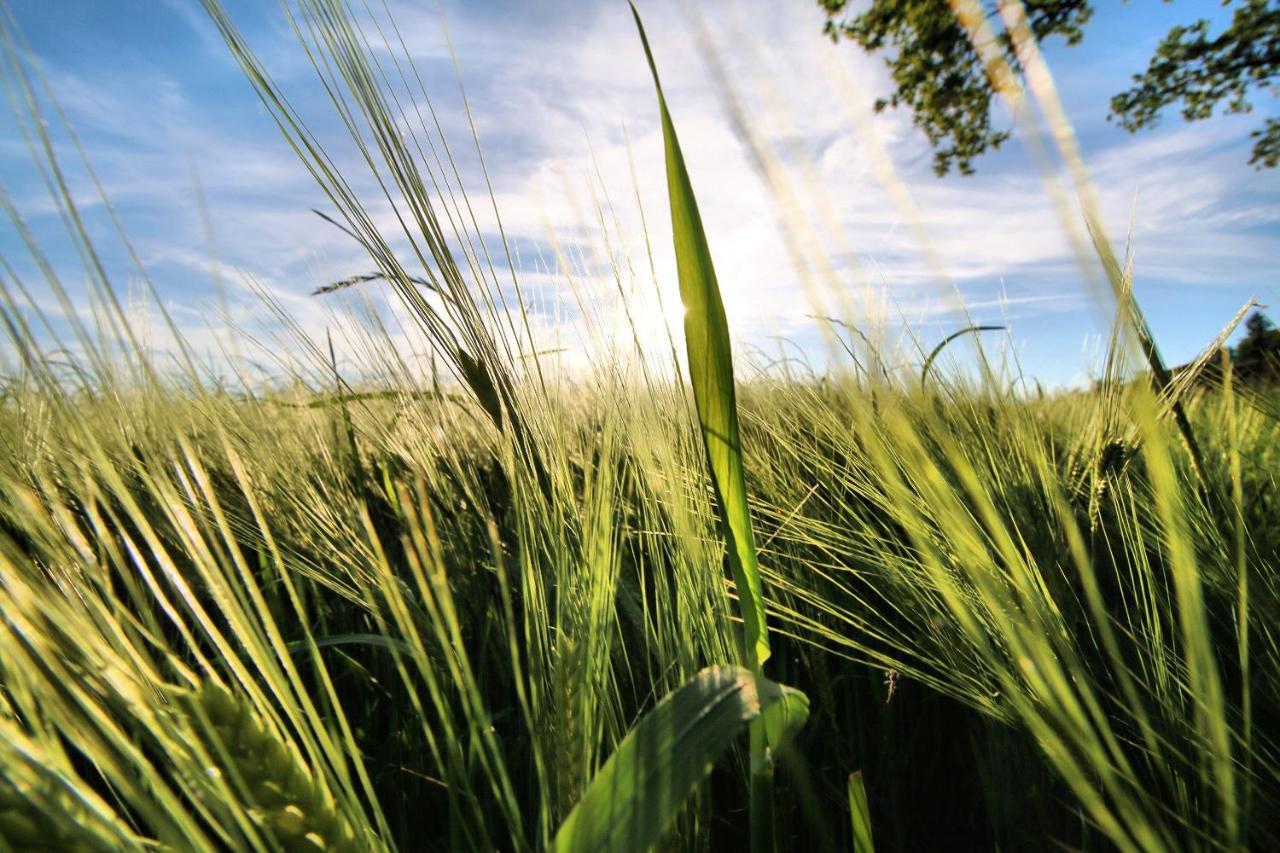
{"x": 711, "y": 375}
{"x": 860, "y": 814}
{"x": 786, "y": 710}
{"x": 967, "y": 330}
{"x": 643, "y": 785}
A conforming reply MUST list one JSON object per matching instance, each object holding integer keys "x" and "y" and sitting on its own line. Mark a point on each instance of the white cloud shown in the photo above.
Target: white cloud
{"x": 551, "y": 88}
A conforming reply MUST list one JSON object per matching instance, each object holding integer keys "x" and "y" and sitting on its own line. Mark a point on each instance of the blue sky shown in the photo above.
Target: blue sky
{"x": 562, "y": 105}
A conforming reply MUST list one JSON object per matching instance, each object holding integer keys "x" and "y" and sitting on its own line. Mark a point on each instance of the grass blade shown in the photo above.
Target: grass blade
{"x": 711, "y": 373}
{"x": 786, "y": 711}
{"x": 928, "y": 362}
{"x": 379, "y": 641}
{"x": 860, "y": 814}
{"x": 643, "y": 785}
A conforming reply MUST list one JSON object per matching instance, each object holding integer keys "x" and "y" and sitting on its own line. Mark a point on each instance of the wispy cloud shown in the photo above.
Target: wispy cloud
{"x": 564, "y": 110}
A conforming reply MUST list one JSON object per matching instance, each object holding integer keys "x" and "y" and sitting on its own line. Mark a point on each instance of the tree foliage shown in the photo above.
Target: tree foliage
{"x": 1200, "y": 72}
{"x": 937, "y": 73}
{"x": 1257, "y": 357}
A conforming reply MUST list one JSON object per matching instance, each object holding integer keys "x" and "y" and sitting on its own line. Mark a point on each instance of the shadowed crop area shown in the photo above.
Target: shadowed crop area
{"x": 425, "y": 588}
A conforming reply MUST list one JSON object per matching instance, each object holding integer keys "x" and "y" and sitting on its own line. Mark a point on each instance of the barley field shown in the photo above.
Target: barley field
{"x": 690, "y": 602}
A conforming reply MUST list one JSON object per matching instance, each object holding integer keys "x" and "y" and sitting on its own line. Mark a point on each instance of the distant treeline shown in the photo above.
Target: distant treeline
{"x": 1254, "y": 361}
